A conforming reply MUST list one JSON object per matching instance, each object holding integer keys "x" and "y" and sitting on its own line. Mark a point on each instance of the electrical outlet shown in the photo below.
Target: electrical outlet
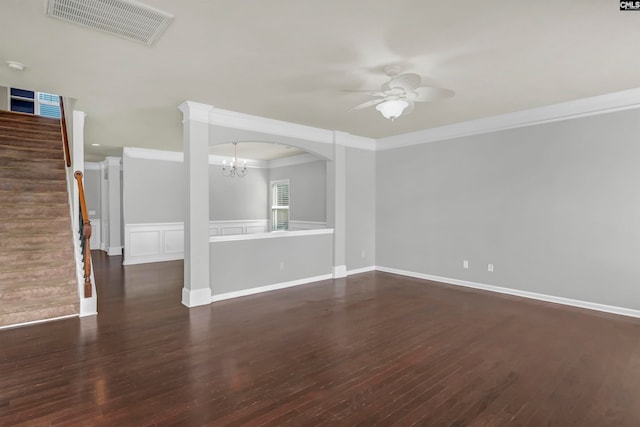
{"x": 281, "y": 265}
{"x": 465, "y": 264}
{"x": 362, "y": 254}
{"x": 490, "y": 268}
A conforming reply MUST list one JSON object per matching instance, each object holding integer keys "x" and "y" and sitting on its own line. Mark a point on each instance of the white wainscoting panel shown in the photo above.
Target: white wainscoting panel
{"x": 295, "y": 225}
{"x": 165, "y": 241}
{"x": 153, "y": 242}
{"x": 96, "y": 240}
{"x": 228, "y": 228}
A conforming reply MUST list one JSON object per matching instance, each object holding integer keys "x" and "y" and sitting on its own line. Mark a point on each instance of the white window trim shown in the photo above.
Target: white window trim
{"x": 272, "y": 206}
{"x": 36, "y": 100}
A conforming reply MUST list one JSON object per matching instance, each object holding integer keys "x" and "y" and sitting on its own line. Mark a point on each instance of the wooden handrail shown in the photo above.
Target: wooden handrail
{"x": 86, "y": 234}
{"x": 65, "y": 137}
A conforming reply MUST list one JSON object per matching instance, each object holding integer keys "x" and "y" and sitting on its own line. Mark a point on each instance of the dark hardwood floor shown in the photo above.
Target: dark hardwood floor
{"x": 374, "y": 349}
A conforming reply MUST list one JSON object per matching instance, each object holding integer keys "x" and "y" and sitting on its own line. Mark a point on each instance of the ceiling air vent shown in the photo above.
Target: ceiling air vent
{"x": 124, "y": 18}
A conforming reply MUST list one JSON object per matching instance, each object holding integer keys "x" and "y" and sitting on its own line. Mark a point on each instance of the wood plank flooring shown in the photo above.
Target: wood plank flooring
{"x": 373, "y": 349}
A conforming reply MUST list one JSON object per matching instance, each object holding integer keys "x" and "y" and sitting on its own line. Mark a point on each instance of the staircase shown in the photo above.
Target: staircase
{"x": 37, "y": 264}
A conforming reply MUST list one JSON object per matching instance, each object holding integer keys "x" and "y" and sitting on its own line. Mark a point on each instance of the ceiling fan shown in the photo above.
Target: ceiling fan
{"x": 400, "y": 93}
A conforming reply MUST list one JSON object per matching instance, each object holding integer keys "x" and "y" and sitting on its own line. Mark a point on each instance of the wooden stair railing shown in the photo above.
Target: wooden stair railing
{"x": 65, "y": 137}
{"x": 85, "y": 235}
{"x": 85, "y": 228}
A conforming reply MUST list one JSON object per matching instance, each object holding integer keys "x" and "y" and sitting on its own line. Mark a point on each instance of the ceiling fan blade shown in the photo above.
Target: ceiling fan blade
{"x": 407, "y": 81}
{"x": 366, "y": 104}
{"x": 426, "y": 94}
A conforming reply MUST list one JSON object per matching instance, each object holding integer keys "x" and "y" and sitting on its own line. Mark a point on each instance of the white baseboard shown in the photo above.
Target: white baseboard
{"x": 196, "y": 297}
{"x": 361, "y": 270}
{"x": 516, "y": 292}
{"x": 252, "y": 291}
{"x": 114, "y": 250}
{"x": 339, "y": 271}
{"x": 152, "y": 258}
{"x": 35, "y": 322}
{"x": 88, "y": 306}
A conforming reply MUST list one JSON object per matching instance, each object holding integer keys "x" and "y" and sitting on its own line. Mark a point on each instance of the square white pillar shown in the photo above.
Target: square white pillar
{"x": 197, "y": 288}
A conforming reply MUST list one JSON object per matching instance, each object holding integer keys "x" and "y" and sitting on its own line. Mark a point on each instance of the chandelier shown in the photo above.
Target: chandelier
{"x": 234, "y": 168}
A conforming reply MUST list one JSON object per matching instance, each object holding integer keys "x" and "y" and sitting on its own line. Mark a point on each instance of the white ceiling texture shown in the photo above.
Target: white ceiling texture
{"x": 291, "y": 59}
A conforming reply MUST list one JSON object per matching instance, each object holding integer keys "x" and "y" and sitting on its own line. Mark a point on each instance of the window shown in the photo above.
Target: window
{"x": 38, "y": 103}
{"x": 49, "y": 105}
{"x": 280, "y": 205}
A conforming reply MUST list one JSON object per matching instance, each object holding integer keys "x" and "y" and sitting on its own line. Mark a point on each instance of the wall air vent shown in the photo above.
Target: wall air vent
{"x": 124, "y": 18}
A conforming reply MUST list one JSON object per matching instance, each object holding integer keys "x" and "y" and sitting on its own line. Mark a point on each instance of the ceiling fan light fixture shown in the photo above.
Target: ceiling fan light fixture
{"x": 393, "y": 108}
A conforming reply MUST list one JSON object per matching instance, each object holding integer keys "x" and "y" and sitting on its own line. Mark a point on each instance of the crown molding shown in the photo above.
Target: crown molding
{"x": 195, "y": 111}
{"x": 218, "y": 161}
{"x": 354, "y": 141}
{"x": 177, "y": 156}
{"x": 235, "y": 120}
{"x": 616, "y": 101}
{"x": 150, "y": 154}
{"x": 293, "y": 160}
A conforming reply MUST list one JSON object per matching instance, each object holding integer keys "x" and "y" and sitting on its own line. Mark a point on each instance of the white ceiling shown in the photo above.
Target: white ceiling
{"x": 290, "y": 59}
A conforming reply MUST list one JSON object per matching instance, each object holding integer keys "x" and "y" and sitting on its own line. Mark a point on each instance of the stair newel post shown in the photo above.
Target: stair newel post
{"x": 85, "y": 235}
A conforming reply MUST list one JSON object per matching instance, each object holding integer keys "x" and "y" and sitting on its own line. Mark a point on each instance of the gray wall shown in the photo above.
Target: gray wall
{"x": 238, "y": 198}
{"x": 153, "y": 190}
{"x": 92, "y": 181}
{"x": 307, "y": 189}
{"x": 246, "y": 264}
{"x": 555, "y": 207}
{"x": 4, "y": 98}
{"x": 360, "y": 208}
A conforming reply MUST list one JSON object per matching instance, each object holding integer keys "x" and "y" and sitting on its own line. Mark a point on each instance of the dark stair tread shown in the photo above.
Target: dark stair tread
{"x": 7, "y": 129}
{"x": 14, "y": 115}
{"x": 27, "y": 150}
{"x": 17, "y": 123}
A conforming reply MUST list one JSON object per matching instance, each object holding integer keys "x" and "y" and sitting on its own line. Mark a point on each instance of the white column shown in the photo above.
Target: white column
{"x": 195, "y": 123}
{"x": 115, "y": 197}
{"x": 339, "y": 206}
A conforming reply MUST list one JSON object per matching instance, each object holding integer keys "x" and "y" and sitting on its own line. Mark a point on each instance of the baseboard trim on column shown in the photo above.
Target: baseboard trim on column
{"x": 339, "y": 271}
{"x": 114, "y": 250}
{"x": 196, "y": 297}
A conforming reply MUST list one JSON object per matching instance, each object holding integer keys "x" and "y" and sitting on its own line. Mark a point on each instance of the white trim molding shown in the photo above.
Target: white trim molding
{"x": 195, "y": 111}
{"x": 114, "y": 250}
{"x": 269, "y": 235}
{"x": 339, "y": 271}
{"x": 267, "y": 288}
{"x": 295, "y": 225}
{"x": 248, "y": 122}
{"x": 196, "y": 297}
{"x": 227, "y": 228}
{"x": 361, "y": 270}
{"x": 516, "y": 292}
{"x": 617, "y": 101}
{"x": 293, "y": 160}
{"x": 155, "y": 242}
